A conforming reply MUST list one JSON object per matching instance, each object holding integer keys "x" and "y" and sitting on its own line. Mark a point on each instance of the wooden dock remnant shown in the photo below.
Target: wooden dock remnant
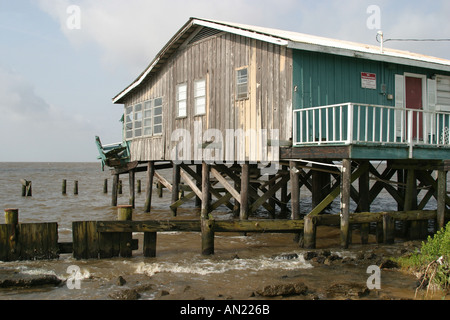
{"x": 27, "y": 241}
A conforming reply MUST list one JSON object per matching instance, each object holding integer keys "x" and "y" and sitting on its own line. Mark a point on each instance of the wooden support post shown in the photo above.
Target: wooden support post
{"x": 284, "y": 195}
{"x": 160, "y": 187}
{"x": 295, "y": 191}
{"x": 271, "y": 199}
{"x": 411, "y": 204}
{"x": 207, "y": 227}
{"x": 125, "y": 213}
{"x": 441, "y": 194}
{"x": 245, "y": 180}
{"x": 105, "y": 186}
{"x": 64, "y": 186}
{"x": 388, "y": 229}
{"x": 138, "y": 186}
{"x": 26, "y": 188}
{"x": 345, "y": 202}
{"x": 75, "y": 188}
{"x": 12, "y": 216}
{"x": 150, "y": 244}
{"x": 310, "y": 232}
{"x": 205, "y": 191}
{"x": 12, "y": 225}
{"x": 148, "y": 195}
{"x": 114, "y": 192}
{"x": 131, "y": 176}
{"x": 364, "y": 204}
{"x": 119, "y": 187}
{"x": 198, "y": 200}
{"x": 175, "y": 186}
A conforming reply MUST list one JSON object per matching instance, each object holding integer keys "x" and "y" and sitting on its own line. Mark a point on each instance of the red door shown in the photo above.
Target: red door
{"x": 414, "y": 101}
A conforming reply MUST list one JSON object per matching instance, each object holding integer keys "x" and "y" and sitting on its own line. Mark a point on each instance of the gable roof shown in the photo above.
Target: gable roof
{"x": 289, "y": 39}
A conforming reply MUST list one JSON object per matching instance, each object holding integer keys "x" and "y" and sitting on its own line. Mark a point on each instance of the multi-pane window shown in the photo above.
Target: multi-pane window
{"x": 157, "y": 116}
{"x": 128, "y": 122}
{"x": 242, "y": 83}
{"x": 199, "y": 97}
{"x": 137, "y": 123}
{"x": 182, "y": 100}
{"x": 143, "y": 119}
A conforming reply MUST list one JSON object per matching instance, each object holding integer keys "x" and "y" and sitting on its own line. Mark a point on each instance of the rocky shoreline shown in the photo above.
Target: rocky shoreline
{"x": 291, "y": 285}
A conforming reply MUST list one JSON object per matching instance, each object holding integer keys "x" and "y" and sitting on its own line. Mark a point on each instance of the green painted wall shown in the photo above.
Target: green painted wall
{"x": 324, "y": 79}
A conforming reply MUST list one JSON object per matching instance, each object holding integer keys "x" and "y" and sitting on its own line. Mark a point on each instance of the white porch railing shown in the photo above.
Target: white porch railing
{"x": 352, "y": 123}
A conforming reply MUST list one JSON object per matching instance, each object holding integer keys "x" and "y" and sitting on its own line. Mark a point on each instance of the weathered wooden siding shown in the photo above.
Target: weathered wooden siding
{"x": 216, "y": 59}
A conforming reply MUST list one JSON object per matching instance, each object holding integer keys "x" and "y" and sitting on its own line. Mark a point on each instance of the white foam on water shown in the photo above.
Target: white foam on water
{"x": 207, "y": 266}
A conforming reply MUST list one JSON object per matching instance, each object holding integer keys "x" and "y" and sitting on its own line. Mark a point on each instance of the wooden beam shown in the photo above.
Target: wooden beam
{"x": 226, "y": 184}
{"x": 163, "y": 181}
{"x": 269, "y": 193}
{"x": 191, "y": 183}
{"x": 337, "y": 190}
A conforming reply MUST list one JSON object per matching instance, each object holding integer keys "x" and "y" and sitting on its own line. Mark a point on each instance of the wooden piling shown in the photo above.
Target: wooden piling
{"x": 26, "y": 188}
{"x": 105, "y": 186}
{"x": 175, "y": 186}
{"x": 310, "y": 228}
{"x": 125, "y": 213}
{"x": 150, "y": 244}
{"x": 205, "y": 191}
{"x": 245, "y": 179}
{"x": 75, "y": 188}
{"x": 207, "y": 227}
{"x": 119, "y": 187}
{"x": 115, "y": 189}
{"x": 149, "y": 188}
{"x": 364, "y": 204}
{"x": 345, "y": 202}
{"x": 441, "y": 195}
{"x": 198, "y": 200}
{"x": 295, "y": 191}
{"x": 138, "y": 186}
{"x": 64, "y": 187}
{"x": 388, "y": 229}
{"x": 132, "y": 198}
{"x": 12, "y": 216}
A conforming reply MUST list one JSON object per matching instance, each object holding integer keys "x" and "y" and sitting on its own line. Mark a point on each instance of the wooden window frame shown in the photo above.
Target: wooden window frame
{"x": 197, "y": 97}
{"x": 237, "y": 79}
{"x": 178, "y": 100}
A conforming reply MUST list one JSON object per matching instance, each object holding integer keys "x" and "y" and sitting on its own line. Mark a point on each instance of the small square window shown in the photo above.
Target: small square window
{"x": 242, "y": 83}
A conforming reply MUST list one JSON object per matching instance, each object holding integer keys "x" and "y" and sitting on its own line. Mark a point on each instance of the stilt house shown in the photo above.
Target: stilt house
{"x": 321, "y": 108}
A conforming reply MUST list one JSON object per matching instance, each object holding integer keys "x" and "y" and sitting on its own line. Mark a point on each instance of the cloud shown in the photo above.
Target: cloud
{"x": 34, "y": 130}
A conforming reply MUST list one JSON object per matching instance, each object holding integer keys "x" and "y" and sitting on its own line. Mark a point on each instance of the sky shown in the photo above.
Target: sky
{"x": 62, "y": 62}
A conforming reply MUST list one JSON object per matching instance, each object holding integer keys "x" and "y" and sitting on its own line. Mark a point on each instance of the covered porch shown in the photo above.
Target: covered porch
{"x": 363, "y": 131}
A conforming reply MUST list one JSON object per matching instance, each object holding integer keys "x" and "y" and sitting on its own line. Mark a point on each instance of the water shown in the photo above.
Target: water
{"x": 241, "y": 265}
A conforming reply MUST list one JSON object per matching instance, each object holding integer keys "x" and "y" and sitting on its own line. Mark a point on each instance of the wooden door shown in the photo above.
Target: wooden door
{"x": 414, "y": 100}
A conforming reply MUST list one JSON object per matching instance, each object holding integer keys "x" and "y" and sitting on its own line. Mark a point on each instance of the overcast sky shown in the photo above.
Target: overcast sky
{"x": 57, "y": 81}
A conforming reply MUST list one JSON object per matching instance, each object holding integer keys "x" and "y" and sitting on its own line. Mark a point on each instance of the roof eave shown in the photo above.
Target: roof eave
{"x": 375, "y": 56}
